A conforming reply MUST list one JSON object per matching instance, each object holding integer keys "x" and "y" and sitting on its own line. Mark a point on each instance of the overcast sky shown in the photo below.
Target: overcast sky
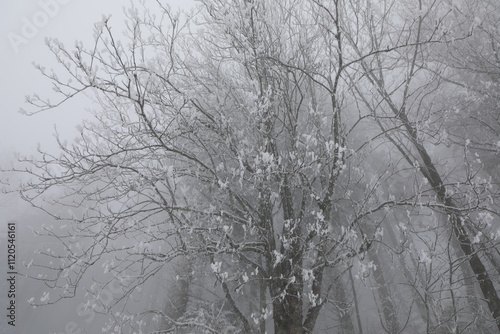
{"x": 21, "y": 45}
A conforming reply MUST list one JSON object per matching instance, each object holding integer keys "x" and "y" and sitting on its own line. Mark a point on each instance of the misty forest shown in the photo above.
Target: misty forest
{"x": 295, "y": 166}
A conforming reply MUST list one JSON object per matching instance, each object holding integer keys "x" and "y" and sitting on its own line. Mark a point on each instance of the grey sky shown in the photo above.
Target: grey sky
{"x": 20, "y": 46}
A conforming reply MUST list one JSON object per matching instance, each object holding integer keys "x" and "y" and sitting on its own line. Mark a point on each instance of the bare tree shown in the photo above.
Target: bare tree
{"x": 268, "y": 144}
{"x": 225, "y": 143}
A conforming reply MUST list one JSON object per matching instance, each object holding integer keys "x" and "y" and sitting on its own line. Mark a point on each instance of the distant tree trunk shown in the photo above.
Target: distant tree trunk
{"x": 389, "y": 312}
{"x": 356, "y": 303}
{"x": 178, "y": 294}
{"x": 262, "y": 301}
{"x": 344, "y": 309}
{"x": 419, "y": 300}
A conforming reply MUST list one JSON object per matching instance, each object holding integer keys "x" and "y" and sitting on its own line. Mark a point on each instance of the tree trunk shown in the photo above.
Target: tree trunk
{"x": 388, "y": 309}
{"x": 345, "y": 307}
{"x": 484, "y": 280}
{"x": 420, "y": 301}
{"x": 457, "y": 221}
{"x": 286, "y": 317}
{"x": 356, "y": 303}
